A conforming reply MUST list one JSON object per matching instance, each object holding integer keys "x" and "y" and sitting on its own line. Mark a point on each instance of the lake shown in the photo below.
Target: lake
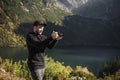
{"x": 93, "y": 58}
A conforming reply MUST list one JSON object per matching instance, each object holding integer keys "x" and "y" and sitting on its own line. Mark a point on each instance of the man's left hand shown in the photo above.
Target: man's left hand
{"x": 58, "y": 38}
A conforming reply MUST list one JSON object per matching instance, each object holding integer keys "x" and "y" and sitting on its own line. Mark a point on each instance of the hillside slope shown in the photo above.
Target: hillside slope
{"x": 16, "y": 18}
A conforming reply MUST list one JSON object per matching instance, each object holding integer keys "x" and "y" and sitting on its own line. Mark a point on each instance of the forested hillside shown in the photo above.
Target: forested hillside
{"x": 17, "y": 16}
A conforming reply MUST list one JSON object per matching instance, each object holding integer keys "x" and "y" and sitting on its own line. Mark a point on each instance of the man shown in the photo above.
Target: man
{"x": 37, "y": 43}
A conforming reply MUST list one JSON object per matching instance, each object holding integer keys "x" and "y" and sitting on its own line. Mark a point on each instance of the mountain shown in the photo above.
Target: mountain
{"x": 103, "y": 9}
{"x": 16, "y": 18}
{"x": 83, "y": 22}
{"x": 69, "y": 5}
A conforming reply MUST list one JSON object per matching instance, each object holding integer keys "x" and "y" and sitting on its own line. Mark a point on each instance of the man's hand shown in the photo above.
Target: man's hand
{"x": 59, "y": 37}
{"x": 56, "y": 36}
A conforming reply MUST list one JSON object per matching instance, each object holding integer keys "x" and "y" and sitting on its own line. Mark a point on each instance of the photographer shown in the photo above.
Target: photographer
{"x": 36, "y": 44}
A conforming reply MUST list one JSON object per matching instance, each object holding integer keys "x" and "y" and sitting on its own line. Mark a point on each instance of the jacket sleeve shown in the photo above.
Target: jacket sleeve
{"x": 51, "y": 44}
{"x": 34, "y": 41}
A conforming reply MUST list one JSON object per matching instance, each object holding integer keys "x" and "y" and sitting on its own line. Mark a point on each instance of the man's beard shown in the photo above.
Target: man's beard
{"x": 39, "y": 32}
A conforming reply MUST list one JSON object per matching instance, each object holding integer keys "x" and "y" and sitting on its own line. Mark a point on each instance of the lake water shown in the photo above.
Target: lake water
{"x": 93, "y": 58}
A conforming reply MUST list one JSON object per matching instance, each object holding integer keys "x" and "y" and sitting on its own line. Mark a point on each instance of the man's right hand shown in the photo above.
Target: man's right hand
{"x": 54, "y": 35}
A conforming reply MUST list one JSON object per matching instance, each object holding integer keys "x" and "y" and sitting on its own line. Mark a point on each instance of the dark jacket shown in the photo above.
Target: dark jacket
{"x": 36, "y": 46}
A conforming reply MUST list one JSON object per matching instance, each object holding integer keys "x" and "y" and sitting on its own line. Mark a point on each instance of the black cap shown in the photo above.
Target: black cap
{"x": 37, "y": 23}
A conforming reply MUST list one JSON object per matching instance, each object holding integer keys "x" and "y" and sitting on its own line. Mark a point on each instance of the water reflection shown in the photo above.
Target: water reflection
{"x": 14, "y": 53}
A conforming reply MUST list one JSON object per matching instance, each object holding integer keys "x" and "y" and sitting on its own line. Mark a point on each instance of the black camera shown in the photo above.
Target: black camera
{"x": 60, "y": 34}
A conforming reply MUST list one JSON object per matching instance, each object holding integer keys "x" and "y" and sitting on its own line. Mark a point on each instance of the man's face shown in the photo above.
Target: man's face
{"x": 39, "y": 29}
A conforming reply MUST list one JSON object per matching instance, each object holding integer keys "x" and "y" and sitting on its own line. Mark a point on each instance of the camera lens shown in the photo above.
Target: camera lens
{"x": 60, "y": 34}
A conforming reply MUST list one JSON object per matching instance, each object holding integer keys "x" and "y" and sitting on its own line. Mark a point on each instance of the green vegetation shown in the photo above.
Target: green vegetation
{"x": 10, "y": 39}
{"x": 14, "y": 70}
{"x": 54, "y": 71}
{"x": 111, "y": 70}
{"x": 7, "y": 35}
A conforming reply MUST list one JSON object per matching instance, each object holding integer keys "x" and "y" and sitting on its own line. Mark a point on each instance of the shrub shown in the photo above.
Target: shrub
{"x": 54, "y": 70}
{"x": 82, "y": 73}
{"x": 111, "y": 70}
